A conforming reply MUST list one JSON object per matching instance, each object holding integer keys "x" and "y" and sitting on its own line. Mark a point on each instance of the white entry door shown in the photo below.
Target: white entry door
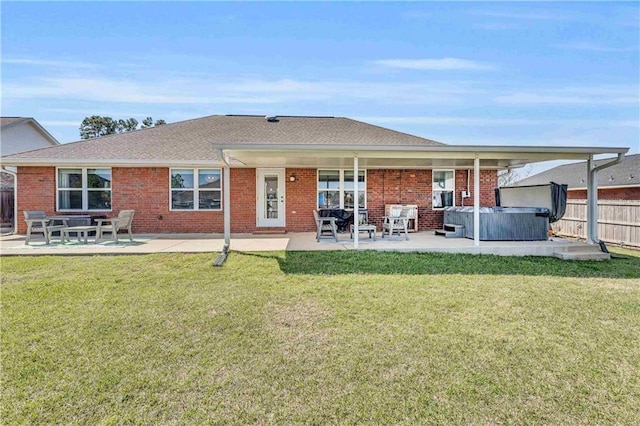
{"x": 271, "y": 197}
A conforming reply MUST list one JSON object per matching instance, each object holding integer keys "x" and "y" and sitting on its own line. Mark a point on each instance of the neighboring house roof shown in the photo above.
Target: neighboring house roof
{"x": 626, "y": 173}
{"x": 5, "y": 121}
{"x": 10, "y": 122}
{"x": 195, "y": 139}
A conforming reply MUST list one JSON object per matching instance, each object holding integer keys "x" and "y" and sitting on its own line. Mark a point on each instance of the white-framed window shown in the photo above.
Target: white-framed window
{"x": 196, "y": 189}
{"x": 335, "y": 189}
{"x": 443, "y": 189}
{"x": 83, "y": 189}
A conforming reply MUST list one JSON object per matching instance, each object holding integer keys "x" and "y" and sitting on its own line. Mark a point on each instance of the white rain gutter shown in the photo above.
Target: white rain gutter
{"x": 592, "y": 195}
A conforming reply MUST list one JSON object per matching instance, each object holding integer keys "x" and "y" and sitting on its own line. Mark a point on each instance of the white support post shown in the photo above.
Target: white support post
{"x": 592, "y": 202}
{"x": 356, "y": 202}
{"x": 476, "y": 201}
{"x": 227, "y": 205}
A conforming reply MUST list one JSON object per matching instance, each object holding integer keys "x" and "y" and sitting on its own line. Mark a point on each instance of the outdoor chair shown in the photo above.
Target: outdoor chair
{"x": 325, "y": 224}
{"x": 38, "y": 222}
{"x": 122, "y": 222}
{"x": 398, "y": 223}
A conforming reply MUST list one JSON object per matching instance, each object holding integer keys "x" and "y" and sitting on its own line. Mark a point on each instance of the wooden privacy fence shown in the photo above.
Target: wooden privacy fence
{"x": 618, "y": 221}
{"x": 6, "y": 206}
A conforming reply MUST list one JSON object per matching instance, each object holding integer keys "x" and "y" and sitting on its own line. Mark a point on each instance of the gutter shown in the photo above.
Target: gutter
{"x": 611, "y": 163}
{"x": 472, "y": 149}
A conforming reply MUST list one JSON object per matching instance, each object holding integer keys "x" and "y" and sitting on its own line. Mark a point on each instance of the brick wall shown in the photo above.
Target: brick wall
{"x": 146, "y": 190}
{"x": 632, "y": 193}
{"x": 243, "y": 201}
{"x": 302, "y": 196}
{"x": 36, "y": 191}
{"x": 414, "y": 187}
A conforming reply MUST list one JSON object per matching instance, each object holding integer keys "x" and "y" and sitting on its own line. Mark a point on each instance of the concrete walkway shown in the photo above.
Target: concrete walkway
{"x": 13, "y": 245}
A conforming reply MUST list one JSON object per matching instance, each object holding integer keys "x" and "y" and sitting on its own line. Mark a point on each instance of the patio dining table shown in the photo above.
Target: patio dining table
{"x": 72, "y": 220}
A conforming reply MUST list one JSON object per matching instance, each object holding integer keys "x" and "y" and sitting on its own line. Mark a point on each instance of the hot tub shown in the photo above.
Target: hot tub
{"x": 502, "y": 223}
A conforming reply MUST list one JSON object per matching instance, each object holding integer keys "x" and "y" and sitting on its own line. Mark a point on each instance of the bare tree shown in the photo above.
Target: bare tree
{"x": 511, "y": 176}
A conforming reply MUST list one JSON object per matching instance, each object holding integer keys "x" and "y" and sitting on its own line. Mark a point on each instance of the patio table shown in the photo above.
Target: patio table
{"x": 80, "y": 231}
{"x": 72, "y": 220}
{"x": 365, "y": 228}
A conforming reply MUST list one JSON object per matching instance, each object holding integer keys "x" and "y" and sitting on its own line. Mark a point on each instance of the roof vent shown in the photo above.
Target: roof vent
{"x": 271, "y": 118}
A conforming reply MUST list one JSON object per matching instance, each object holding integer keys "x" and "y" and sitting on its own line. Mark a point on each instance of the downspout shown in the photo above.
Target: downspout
{"x": 15, "y": 199}
{"x": 467, "y": 188}
{"x": 226, "y": 209}
{"x": 592, "y": 195}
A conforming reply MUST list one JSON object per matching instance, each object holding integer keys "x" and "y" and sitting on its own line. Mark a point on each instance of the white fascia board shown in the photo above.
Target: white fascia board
{"x": 600, "y": 187}
{"x": 462, "y": 150}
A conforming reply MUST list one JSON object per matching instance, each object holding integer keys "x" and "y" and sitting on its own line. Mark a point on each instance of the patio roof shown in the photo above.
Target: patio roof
{"x": 426, "y": 157}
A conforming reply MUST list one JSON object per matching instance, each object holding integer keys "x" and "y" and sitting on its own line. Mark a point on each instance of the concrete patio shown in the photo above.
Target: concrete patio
{"x": 13, "y": 245}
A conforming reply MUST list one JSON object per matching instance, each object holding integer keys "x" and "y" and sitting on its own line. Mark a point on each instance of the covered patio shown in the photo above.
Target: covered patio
{"x": 473, "y": 158}
{"x": 13, "y": 245}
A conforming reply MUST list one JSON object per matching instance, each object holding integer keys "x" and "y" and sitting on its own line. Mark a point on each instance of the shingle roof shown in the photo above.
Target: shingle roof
{"x": 5, "y": 121}
{"x": 575, "y": 175}
{"x": 196, "y": 139}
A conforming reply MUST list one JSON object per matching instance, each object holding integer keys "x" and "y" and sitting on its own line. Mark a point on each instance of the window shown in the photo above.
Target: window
{"x": 335, "y": 189}
{"x": 84, "y": 189}
{"x": 443, "y": 188}
{"x": 196, "y": 189}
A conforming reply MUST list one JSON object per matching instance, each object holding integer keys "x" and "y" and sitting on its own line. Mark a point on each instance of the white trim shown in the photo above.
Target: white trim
{"x": 196, "y": 190}
{"x": 471, "y": 150}
{"x": 341, "y": 189}
{"x": 433, "y": 171}
{"x": 85, "y": 190}
{"x": 600, "y": 187}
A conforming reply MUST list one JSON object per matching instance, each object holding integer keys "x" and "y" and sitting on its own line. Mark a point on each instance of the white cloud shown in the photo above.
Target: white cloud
{"x": 489, "y": 122}
{"x": 532, "y": 15}
{"x": 235, "y": 91}
{"x": 585, "y": 46}
{"x": 604, "y": 95}
{"x": 47, "y": 63}
{"x": 498, "y": 26}
{"x": 60, "y": 123}
{"x": 444, "y": 64}
{"x": 416, "y": 14}
{"x": 534, "y": 98}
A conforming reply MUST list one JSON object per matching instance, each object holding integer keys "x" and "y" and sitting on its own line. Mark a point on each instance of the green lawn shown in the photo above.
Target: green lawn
{"x": 322, "y": 337}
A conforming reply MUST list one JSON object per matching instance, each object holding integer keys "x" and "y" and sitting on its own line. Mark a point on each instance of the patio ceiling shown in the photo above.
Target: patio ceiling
{"x": 460, "y": 157}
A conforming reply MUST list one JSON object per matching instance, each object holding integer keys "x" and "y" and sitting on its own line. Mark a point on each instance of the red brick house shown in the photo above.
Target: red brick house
{"x": 270, "y": 173}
